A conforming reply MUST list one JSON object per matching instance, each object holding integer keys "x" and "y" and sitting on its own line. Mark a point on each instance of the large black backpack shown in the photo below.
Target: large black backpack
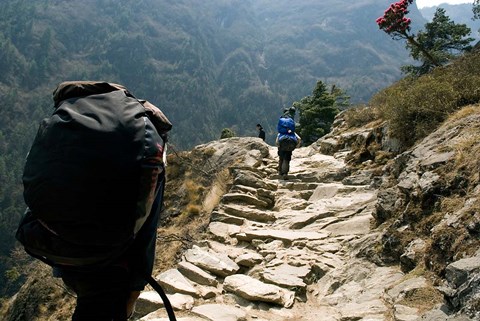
{"x": 91, "y": 175}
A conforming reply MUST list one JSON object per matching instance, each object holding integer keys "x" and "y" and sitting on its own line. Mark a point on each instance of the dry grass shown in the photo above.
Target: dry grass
{"x": 464, "y": 112}
{"x": 423, "y": 299}
{"x": 42, "y": 298}
{"x": 190, "y": 197}
{"x": 360, "y": 116}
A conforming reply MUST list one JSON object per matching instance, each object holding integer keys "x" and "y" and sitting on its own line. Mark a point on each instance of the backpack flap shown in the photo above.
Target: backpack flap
{"x": 287, "y": 142}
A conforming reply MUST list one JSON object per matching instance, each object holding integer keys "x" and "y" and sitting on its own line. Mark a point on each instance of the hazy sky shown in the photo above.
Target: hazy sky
{"x": 431, "y": 3}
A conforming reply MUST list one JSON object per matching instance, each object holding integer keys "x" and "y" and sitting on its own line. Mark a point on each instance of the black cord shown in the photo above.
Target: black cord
{"x": 166, "y": 301}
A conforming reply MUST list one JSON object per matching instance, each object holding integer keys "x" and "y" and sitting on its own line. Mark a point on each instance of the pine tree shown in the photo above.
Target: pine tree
{"x": 318, "y": 111}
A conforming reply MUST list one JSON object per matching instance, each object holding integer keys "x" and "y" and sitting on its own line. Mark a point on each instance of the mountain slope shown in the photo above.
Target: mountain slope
{"x": 208, "y": 65}
{"x": 333, "y": 242}
{"x": 221, "y": 63}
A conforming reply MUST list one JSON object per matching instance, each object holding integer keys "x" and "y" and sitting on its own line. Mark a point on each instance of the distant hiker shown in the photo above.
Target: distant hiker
{"x": 261, "y": 132}
{"x": 93, "y": 183}
{"x": 287, "y": 140}
{"x": 289, "y": 112}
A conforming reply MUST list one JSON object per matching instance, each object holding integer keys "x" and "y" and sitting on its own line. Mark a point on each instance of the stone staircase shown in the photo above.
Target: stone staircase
{"x": 286, "y": 250}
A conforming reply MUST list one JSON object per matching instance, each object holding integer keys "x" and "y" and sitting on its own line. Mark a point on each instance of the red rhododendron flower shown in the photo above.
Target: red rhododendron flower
{"x": 394, "y": 21}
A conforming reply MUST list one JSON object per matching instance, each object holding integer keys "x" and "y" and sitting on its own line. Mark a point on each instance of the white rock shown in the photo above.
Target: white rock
{"x": 196, "y": 274}
{"x": 249, "y": 259}
{"x": 282, "y": 235}
{"x": 223, "y": 232}
{"x": 217, "y": 312}
{"x": 286, "y": 275}
{"x": 217, "y": 263}
{"x": 255, "y": 290}
{"x": 173, "y": 281}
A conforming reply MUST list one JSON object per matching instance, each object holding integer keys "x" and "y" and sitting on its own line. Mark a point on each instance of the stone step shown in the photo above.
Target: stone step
{"x": 240, "y": 198}
{"x": 218, "y": 216}
{"x": 358, "y": 225}
{"x": 286, "y": 236}
{"x": 342, "y": 203}
{"x": 223, "y": 232}
{"x": 249, "y": 259}
{"x": 196, "y": 274}
{"x": 301, "y": 186}
{"x": 257, "y": 171}
{"x": 304, "y": 219}
{"x": 150, "y": 301}
{"x": 256, "y": 290}
{"x": 248, "y": 178}
{"x": 261, "y": 194}
{"x": 217, "y": 263}
{"x": 217, "y": 312}
{"x": 286, "y": 275}
{"x": 292, "y": 202}
{"x": 249, "y": 213}
{"x": 161, "y": 316}
{"x": 329, "y": 190}
{"x": 173, "y": 281}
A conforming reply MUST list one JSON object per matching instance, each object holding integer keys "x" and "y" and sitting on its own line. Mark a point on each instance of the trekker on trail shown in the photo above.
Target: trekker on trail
{"x": 287, "y": 140}
{"x": 261, "y": 132}
{"x": 93, "y": 182}
{"x": 285, "y": 156}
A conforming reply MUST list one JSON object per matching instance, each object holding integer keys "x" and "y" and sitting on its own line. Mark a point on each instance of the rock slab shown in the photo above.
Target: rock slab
{"x": 255, "y": 290}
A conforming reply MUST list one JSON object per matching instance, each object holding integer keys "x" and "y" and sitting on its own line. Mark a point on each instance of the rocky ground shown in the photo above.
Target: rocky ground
{"x": 296, "y": 249}
{"x": 358, "y": 231}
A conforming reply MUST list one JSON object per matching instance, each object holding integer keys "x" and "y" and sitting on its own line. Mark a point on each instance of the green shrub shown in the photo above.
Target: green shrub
{"x": 414, "y": 107}
{"x": 227, "y": 133}
{"x": 359, "y": 116}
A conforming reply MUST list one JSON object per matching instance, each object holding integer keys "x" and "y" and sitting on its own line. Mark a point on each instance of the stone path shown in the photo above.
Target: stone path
{"x": 285, "y": 250}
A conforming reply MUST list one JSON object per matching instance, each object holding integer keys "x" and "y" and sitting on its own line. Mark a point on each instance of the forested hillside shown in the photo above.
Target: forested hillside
{"x": 208, "y": 64}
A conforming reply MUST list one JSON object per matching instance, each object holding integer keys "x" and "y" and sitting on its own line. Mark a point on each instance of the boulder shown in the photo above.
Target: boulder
{"x": 457, "y": 273}
{"x": 413, "y": 254}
